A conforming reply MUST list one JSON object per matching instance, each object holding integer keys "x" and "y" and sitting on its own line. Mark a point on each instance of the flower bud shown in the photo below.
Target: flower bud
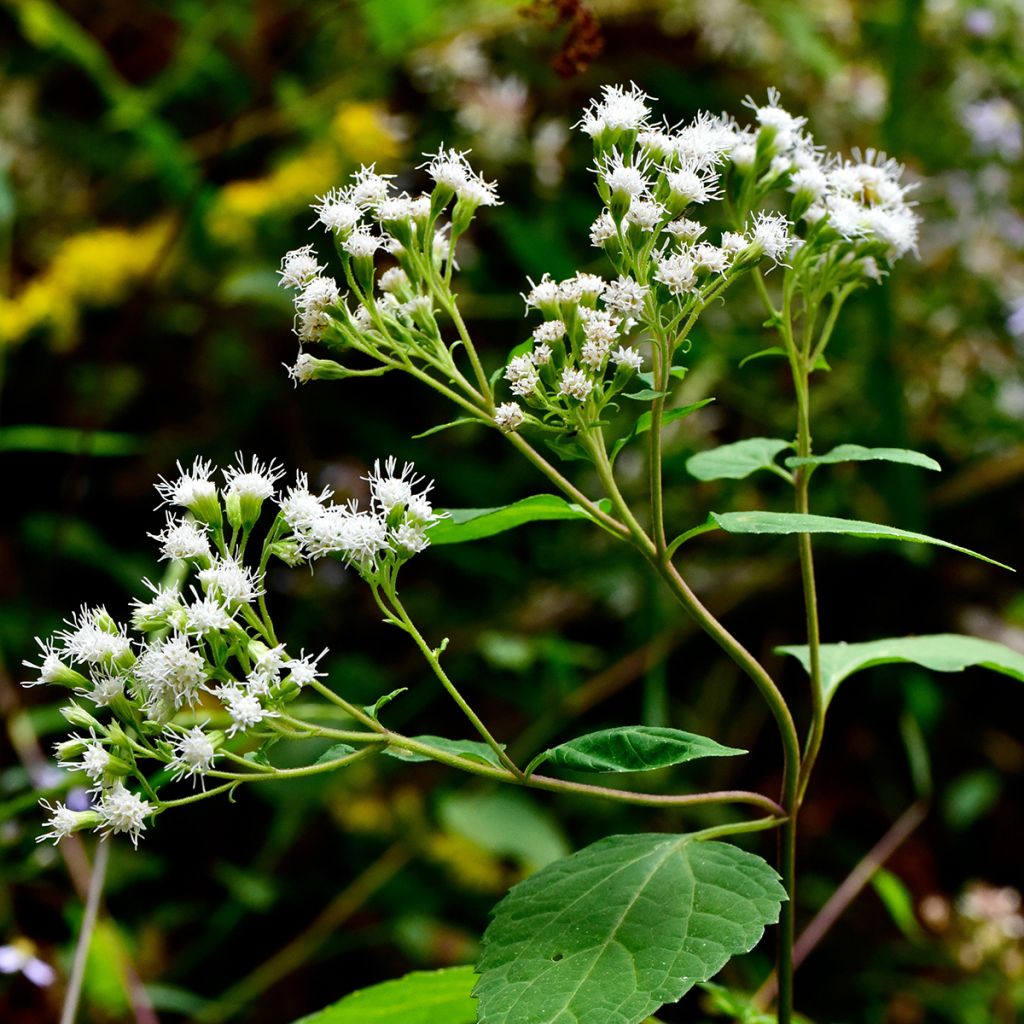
{"x": 76, "y": 715}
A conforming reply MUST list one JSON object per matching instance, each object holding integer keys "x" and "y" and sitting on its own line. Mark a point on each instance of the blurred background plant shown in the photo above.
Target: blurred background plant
{"x": 157, "y": 159}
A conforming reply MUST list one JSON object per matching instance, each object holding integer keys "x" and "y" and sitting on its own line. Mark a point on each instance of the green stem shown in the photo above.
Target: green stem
{"x": 85, "y": 933}
{"x": 432, "y": 659}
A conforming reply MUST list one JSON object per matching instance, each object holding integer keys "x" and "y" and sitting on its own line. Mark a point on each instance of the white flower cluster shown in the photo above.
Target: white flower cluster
{"x": 207, "y": 653}
{"x": 368, "y": 216}
{"x": 573, "y": 349}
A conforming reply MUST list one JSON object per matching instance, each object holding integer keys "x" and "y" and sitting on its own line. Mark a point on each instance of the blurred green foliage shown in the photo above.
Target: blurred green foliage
{"x": 157, "y": 159}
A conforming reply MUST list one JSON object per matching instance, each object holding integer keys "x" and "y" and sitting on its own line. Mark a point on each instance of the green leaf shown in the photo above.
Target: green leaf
{"x": 940, "y": 652}
{"x": 568, "y": 448}
{"x": 335, "y": 752}
{"x": 775, "y": 350}
{"x": 620, "y": 928}
{"x": 632, "y": 748}
{"x": 465, "y": 524}
{"x": 471, "y": 750}
{"x": 858, "y": 453}
{"x": 506, "y": 823}
{"x": 795, "y": 522}
{"x": 899, "y": 901}
{"x": 643, "y": 423}
{"x": 422, "y": 997}
{"x": 461, "y": 421}
{"x": 738, "y": 460}
{"x": 373, "y": 710}
{"x": 646, "y": 395}
{"x": 68, "y": 441}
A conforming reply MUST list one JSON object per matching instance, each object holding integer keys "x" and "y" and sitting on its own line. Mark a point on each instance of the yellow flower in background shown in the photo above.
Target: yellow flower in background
{"x": 360, "y": 132}
{"x": 94, "y": 268}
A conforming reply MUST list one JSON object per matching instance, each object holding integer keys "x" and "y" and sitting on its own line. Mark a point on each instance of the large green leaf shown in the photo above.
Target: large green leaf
{"x": 465, "y": 524}
{"x": 643, "y": 423}
{"x": 738, "y": 460}
{"x": 620, "y": 928}
{"x": 472, "y": 750}
{"x": 858, "y": 453}
{"x": 795, "y": 522}
{"x": 632, "y": 748}
{"x": 940, "y": 652}
{"x": 422, "y": 997}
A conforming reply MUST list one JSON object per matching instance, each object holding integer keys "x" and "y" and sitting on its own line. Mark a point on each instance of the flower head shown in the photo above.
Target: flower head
{"x": 122, "y": 811}
{"x": 194, "y": 754}
{"x": 299, "y": 267}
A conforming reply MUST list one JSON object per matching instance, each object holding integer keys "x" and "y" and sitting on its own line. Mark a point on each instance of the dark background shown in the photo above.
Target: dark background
{"x": 157, "y": 159}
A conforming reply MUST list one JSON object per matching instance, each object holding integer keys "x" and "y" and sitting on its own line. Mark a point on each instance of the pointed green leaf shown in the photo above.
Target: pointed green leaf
{"x": 646, "y": 395}
{"x": 422, "y": 997}
{"x": 334, "y": 753}
{"x": 465, "y": 524}
{"x": 567, "y": 448}
{"x": 795, "y": 522}
{"x": 620, "y": 928}
{"x": 775, "y": 350}
{"x": 738, "y": 460}
{"x": 632, "y": 748}
{"x": 643, "y": 423}
{"x": 461, "y": 421}
{"x": 858, "y": 453}
{"x": 373, "y": 710}
{"x": 940, "y": 652}
{"x": 472, "y": 750}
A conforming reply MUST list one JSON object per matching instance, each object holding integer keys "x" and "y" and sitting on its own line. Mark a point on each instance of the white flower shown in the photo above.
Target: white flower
{"x": 337, "y": 212}
{"x": 711, "y": 258}
{"x": 625, "y": 296}
{"x": 645, "y": 214}
{"x": 599, "y": 326}
{"x": 389, "y": 489}
{"x": 299, "y": 267}
{"x": 362, "y": 243}
{"x": 411, "y": 538}
{"x": 896, "y": 228}
{"x": 394, "y": 279}
{"x": 545, "y": 292}
{"x": 244, "y": 708}
{"x": 106, "y": 689}
{"x": 575, "y": 383}
{"x": 622, "y": 178}
{"x": 705, "y": 141}
{"x": 508, "y": 416}
{"x": 522, "y": 375}
{"x": 676, "y": 272}
{"x": 207, "y": 614}
{"x": 685, "y": 230}
{"x": 810, "y": 181}
{"x": 359, "y": 536}
{"x": 396, "y": 209}
{"x": 541, "y": 354}
{"x": 593, "y": 354}
{"x": 318, "y": 295}
{"x": 182, "y": 539}
{"x": 630, "y": 357}
{"x": 299, "y": 507}
{"x": 50, "y": 667}
{"x": 771, "y": 235}
{"x": 550, "y": 330}
{"x": 171, "y": 668}
{"x": 94, "y": 759}
{"x": 62, "y": 822}
{"x": 368, "y": 188}
{"x": 744, "y": 155}
{"x": 192, "y": 487}
{"x": 733, "y": 242}
{"x": 692, "y": 183}
{"x": 588, "y": 287}
{"x": 617, "y": 109}
{"x": 771, "y": 115}
{"x": 123, "y": 811}
{"x": 194, "y": 754}
{"x": 235, "y": 583}
{"x": 303, "y": 670}
{"x": 602, "y": 230}
{"x": 303, "y": 369}
{"x": 165, "y": 601}
{"x": 311, "y": 324}
{"x": 256, "y": 482}
{"x": 94, "y": 637}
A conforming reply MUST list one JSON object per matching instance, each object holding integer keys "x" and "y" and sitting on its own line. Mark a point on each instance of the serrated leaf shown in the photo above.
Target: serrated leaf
{"x": 472, "y": 750}
{"x": 643, "y": 423}
{"x": 620, "y": 928}
{"x": 422, "y": 997}
{"x": 335, "y": 752}
{"x": 940, "y": 652}
{"x": 738, "y": 460}
{"x": 858, "y": 453}
{"x": 795, "y": 522}
{"x": 466, "y": 524}
{"x": 775, "y": 350}
{"x": 461, "y": 421}
{"x": 373, "y": 710}
{"x": 636, "y": 748}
